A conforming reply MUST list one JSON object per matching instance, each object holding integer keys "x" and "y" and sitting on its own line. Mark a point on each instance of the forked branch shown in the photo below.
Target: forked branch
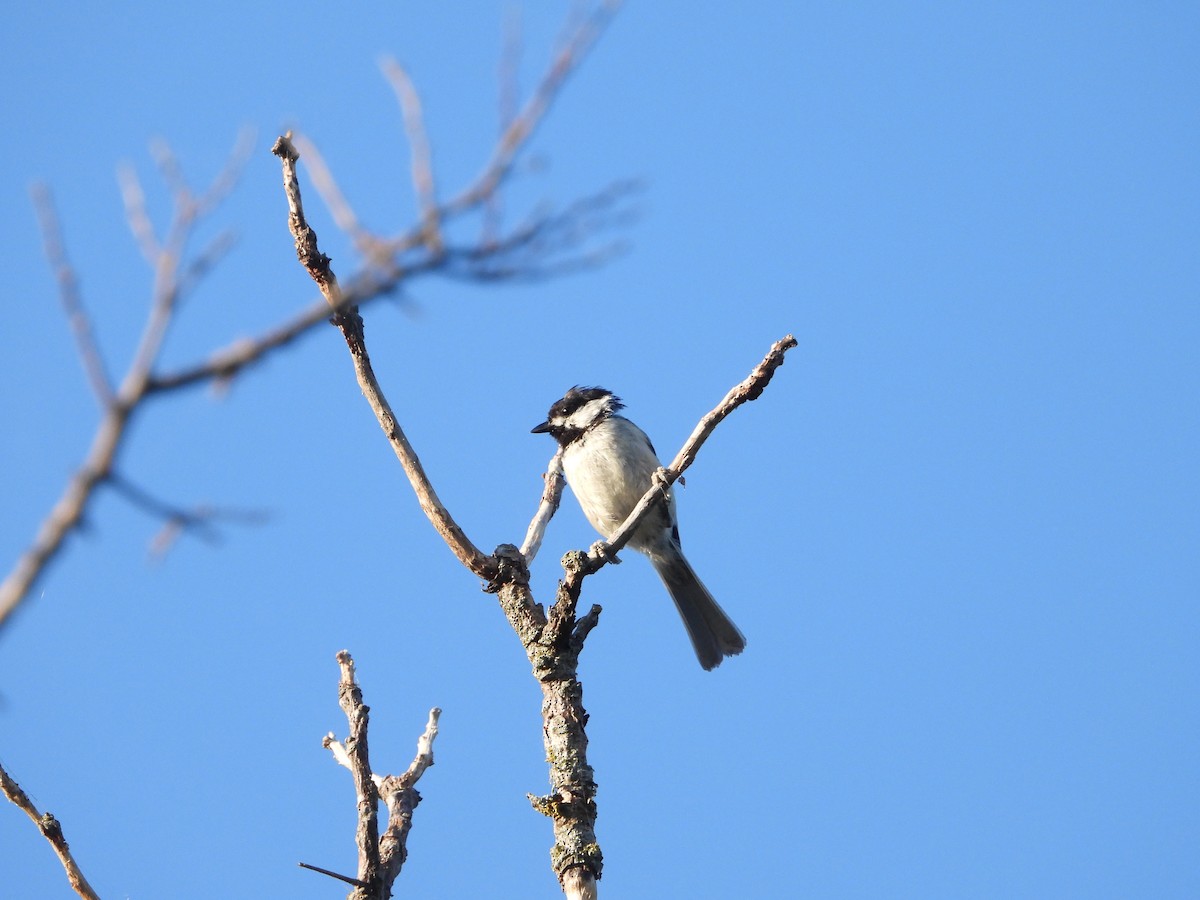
{"x": 380, "y": 857}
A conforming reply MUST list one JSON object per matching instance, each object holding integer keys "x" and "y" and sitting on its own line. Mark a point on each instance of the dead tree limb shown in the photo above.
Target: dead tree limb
{"x": 552, "y": 642}
{"x": 380, "y": 857}
{"x": 52, "y": 831}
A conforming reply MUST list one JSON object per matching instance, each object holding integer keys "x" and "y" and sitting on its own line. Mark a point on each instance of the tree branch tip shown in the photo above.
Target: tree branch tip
{"x": 284, "y": 148}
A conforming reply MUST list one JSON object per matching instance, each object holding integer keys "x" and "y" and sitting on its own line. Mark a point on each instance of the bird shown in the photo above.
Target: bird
{"x": 610, "y": 464}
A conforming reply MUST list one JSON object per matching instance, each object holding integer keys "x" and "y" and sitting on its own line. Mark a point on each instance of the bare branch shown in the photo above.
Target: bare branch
{"x": 140, "y": 225}
{"x": 230, "y": 174}
{"x": 350, "y": 322}
{"x": 68, "y": 292}
{"x": 67, "y": 513}
{"x": 400, "y": 795}
{"x": 380, "y": 858}
{"x": 51, "y": 831}
{"x": 518, "y": 132}
{"x": 418, "y": 142}
{"x": 551, "y": 496}
{"x": 346, "y": 878}
{"x": 357, "y": 760}
{"x": 335, "y": 201}
{"x": 208, "y": 259}
{"x": 523, "y": 254}
{"x": 749, "y": 389}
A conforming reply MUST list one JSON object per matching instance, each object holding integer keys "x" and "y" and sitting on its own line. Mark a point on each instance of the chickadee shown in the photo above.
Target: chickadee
{"x": 609, "y": 463}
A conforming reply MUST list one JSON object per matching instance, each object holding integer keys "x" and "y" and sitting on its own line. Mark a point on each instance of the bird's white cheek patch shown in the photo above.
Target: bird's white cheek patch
{"x": 586, "y": 414}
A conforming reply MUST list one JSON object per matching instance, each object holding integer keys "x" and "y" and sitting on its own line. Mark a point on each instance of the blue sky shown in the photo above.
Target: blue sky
{"x": 959, "y": 530}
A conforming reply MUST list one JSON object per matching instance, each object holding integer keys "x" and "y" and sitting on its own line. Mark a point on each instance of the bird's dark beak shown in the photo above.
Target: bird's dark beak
{"x": 540, "y": 429}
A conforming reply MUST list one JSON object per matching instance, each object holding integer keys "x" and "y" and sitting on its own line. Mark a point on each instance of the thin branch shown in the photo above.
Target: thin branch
{"x": 335, "y": 201}
{"x": 227, "y": 362}
{"x": 51, "y": 831}
{"x": 200, "y": 520}
{"x": 357, "y": 760}
{"x": 68, "y": 292}
{"x": 400, "y": 795}
{"x": 346, "y": 878}
{"x": 418, "y": 142}
{"x": 134, "y": 198}
{"x": 380, "y": 858}
{"x": 518, "y": 132}
{"x": 389, "y": 264}
{"x": 749, "y": 389}
{"x": 97, "y": 467}
{"x": 551, "y": 496}
{"x": 350, "y": 322}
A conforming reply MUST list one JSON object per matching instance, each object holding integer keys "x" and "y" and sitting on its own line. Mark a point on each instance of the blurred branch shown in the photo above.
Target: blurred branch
{"x": 201, "y": 520}
{"x": 380, "y": 858}
{"x": 120, "y": 406}
{"x": 549, "y": 244}
{"x": 418, "y": 142}
{"x": 68, "y": 292}
{"x": 521, "y": 128}
{"x": 51, "y": 831}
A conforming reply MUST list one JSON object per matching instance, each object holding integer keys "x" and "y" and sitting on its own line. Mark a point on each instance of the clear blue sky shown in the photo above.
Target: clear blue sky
{"x": 960, "y": 530}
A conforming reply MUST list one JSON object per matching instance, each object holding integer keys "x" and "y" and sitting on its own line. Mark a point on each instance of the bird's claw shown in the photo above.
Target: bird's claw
{"x": 661, "y": 479}
{"x": 600, "y": 550}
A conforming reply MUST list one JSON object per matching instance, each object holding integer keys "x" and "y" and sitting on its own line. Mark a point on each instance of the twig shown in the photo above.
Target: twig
{"x": 200, "y": 520}
{"x": 380, "y": 858}
{"x": 335, "y": 201}
{"x": 134, "y": 198}
{"x": 521, "y": 128}
{"x": 346, "y": 878}
{"x": 67, "y": 513}
{"x": 400, "y": 795}
{"x": 418, "y": 142}
{"x": 551, "y": 496}
{"x": 52, "y": 831}
{"x": 68, "y": 292}
{"x": 749, "y": 389}
{"x": 350, "y": 322}
{"x": 357, "y": 760}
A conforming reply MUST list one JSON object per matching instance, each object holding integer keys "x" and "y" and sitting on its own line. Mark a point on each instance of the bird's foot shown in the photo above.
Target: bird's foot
{"x": 600, "y": 550}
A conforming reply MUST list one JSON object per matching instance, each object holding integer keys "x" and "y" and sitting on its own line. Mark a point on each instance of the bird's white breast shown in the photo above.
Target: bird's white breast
{"x": 609, "y": 468}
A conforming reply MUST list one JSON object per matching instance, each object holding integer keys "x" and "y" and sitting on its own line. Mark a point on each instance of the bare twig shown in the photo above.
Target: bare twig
{"x": 350, "y": 323}
{"x": 400, "y": 794}
{"x": 418, "y": 142}
{"x": 97, "y": 467}
{"x": 52, "y": 831}
{"x": 380, "y": 858}
{"x": 335, "y": 201}
{"x": 346, "y": 878}
{"x": 551, "y": 495}
{"x": 68, "y": 292}
{"x": 749, "y": 389}
{"x": 519, "y": 130}
{"x": 201, "y": 520}
{"x": 134, "y": 198}
{"x": 357, "y": 760}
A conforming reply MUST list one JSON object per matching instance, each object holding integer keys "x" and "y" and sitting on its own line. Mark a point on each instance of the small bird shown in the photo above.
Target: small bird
{"x": 610, "y": 463}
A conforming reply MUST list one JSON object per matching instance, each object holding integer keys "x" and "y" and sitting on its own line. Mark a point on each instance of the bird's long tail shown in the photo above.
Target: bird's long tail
{"x": 713, "y": 634}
